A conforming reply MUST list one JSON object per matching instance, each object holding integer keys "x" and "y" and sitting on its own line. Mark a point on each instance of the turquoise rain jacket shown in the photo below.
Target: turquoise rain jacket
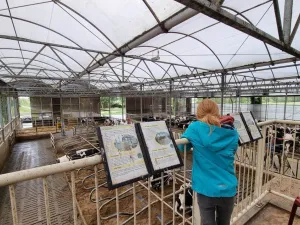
{"x": 213, "y": 159}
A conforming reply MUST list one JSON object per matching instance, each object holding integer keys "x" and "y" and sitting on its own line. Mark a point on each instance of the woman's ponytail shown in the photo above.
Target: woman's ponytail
{"x": 211, "y": 119}
{"x": 208, "y": 112}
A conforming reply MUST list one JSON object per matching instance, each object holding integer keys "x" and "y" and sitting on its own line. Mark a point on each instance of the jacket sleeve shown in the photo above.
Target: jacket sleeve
{"x": 188, "y": 134}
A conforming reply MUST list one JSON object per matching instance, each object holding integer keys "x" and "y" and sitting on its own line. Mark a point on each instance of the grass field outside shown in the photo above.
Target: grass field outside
{"x": 113, "y": 111}
{"x": 24, "y": 108}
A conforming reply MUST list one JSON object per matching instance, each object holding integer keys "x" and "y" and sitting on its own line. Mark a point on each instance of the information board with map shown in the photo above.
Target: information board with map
{"x": 124, "y": 159}
{"x": 160, "y": 146}
{"x": 244, "y": 137}
{"x": 252, "y": 126}
{"x": 136, "y": 151}
{"x": 246, "y": 126}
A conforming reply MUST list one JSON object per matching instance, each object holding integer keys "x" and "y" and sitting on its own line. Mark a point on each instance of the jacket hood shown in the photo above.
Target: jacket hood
{"x": 215, "y": 138}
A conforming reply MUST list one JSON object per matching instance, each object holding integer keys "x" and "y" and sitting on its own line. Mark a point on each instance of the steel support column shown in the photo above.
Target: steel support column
{"x": 9, "y": 109}
{"x": 1, "y": 119}
{"x": 123, "y": 74}
{"x": 287, "y": 20}
{"x": 109, "y": 113}
{"x": 223, "y": 16}
{"x": 170, "y": 107}
{"x": 223, "y": 81}
{"x": 141, "y": 103}
{"x": 62, "y": 122}
{"x": 285, "y": 102}
{"x": 122, "y": 108}
{"x": 266, "y": 109}
{"x": 278, "y": 19}
{"x": 175, "y": 105}
{"x": 152, "y": 105}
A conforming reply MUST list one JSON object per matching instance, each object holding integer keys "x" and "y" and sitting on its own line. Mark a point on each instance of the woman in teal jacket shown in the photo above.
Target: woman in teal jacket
{"x": 213, "y": 176}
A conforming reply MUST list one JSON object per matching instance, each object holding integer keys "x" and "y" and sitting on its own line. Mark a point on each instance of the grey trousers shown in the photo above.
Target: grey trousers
{"x": 215, "y": 211}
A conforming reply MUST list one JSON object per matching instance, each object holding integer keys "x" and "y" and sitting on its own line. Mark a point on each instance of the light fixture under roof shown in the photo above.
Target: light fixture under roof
{"x": 155, "y": 58}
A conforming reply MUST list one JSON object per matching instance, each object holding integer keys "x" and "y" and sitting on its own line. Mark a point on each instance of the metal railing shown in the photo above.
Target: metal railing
{"x": 256, "y": 178}
{"x": 8, "y": 129}
{"x": 52, "y": 141}
{"x": 10, "y": 179}
{"x": 281, "y": 155}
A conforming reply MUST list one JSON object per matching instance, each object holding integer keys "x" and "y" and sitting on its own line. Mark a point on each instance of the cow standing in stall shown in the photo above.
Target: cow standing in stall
{"x": 184, "y": 200}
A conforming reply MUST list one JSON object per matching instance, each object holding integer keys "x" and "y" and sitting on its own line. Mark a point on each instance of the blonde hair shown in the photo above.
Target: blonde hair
{"x": 208, "y": 112}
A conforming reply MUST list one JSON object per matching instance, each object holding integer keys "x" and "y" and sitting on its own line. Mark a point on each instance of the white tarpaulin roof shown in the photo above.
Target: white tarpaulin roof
{"x": 124, "y": 46}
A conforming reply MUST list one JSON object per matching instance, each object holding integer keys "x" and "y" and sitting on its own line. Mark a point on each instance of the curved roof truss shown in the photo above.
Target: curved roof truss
{"x": 189, "y": 47}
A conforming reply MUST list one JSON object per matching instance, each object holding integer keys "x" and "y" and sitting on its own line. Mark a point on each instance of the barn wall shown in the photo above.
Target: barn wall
{"x": 150, "y": 105}
{"x": 9, "y": 121}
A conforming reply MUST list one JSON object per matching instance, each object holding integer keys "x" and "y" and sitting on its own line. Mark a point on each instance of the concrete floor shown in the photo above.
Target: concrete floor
{"x": 272, "y": 215}
{"x": 29, "y": 194}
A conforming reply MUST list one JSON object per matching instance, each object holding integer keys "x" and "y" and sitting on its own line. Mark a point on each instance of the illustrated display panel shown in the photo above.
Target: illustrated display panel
{"x": 253, "y": 128}
{"x": 241, "y": 129}
{"x": 124, "y": 159}
{"x": 161, "y": 147}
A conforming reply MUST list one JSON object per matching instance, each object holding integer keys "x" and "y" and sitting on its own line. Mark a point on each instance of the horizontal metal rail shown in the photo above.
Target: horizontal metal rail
{"x": 253, "y": 171}
{"x": 43, "y": 171}
{"x": 23, "y": 175}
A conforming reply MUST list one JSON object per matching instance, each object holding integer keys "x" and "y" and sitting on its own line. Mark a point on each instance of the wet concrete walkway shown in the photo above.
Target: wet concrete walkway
{"x": 30, "y": 194}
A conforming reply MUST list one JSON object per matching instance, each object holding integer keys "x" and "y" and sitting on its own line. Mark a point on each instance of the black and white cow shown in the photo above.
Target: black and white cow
{"x": 156, "y": 180}
{"x": 80, "y": 154}
{"x": 280, "y": 141}
{"x": 184, "y": 200}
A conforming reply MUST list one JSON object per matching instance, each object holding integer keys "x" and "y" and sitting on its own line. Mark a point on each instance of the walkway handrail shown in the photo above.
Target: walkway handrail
{"x": 182, "y": 141}
{"x": 269, "y": 122}
{"x": 43, "y": 171}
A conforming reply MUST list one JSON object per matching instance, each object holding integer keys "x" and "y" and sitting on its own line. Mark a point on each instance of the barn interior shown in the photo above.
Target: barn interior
{"x": 68, "y": 67}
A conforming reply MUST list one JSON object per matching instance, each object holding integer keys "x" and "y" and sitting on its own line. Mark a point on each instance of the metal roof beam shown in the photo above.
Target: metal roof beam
{"x": 246, "y": 81}
{"x": 7, "y": 68}
{"x": 287, "y": 20}
{"x": 60, "y": 79}
{"x": 223, "y": 16}
{"x": 295, "y": 30}
{"x": 278, "y": 19}
{"x": 168, "y": 23}
{"x": 33, "y": 58}
{"x": 114, "y": 54}
{"x": 233, "y": 69}
{"x": 217, "y": 2}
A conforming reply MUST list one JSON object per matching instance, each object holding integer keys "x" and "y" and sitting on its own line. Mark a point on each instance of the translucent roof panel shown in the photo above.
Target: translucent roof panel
{"x": 247, "y": 54}
{"x": 193, "y": 53}
{"x": 241, "y": 6}
{"x": 6, "y": 26}
{"x": 18, "y": 3}
{"x": 164, "y": 9}
{"x": 188, "y": 26}
{"x": 107, "y": 17}
{"x": 296, "y": 12}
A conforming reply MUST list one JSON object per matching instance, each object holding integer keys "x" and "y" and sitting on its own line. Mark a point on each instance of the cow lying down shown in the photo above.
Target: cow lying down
{"x": 80, "y": 154}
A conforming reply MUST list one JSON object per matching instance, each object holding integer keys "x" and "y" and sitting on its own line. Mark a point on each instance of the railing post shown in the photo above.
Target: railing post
{"x": 97, "y": 195}
{"x": 260, "y": 164}
{"x": 46, "y": 197}
{"x": 13, "y": 204}
{"x": 74, "y": 197}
